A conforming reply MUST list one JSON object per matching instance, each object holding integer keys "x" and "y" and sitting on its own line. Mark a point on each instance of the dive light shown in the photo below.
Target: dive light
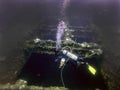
{"x": 62, "y": 62}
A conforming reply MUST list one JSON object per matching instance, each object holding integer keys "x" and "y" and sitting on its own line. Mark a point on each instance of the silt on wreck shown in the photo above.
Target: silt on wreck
{"x": 36, "y": 66}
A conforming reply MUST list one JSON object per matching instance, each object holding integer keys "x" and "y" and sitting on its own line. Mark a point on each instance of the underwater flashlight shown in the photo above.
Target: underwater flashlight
{"x": 62, "y": 62}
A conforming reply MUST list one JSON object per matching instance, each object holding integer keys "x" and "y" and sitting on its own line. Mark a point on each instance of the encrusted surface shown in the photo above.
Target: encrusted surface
{"x": 48, "y": 47}
{"x": 88, "y": 50}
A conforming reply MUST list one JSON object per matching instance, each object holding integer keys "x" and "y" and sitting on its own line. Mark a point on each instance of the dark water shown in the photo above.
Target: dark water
{"x": 41, "y": 69}
{"x": 18, "y": 19}
{"x": 26, "y": 19}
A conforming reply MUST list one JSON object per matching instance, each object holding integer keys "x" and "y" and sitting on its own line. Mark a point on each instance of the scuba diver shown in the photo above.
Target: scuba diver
{"x": 64, "y": 56}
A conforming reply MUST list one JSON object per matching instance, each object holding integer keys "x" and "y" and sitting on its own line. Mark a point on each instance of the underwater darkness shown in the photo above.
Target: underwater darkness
{"x": 41, "y": 69}
{"x": 21, "y": 20}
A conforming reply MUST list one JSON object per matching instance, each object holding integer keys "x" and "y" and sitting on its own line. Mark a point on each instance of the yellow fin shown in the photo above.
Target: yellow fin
{"x": 91, "y": 69}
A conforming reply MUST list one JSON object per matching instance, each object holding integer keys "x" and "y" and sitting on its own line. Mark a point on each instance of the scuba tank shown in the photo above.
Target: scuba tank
{"x": 70, "y": 55}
